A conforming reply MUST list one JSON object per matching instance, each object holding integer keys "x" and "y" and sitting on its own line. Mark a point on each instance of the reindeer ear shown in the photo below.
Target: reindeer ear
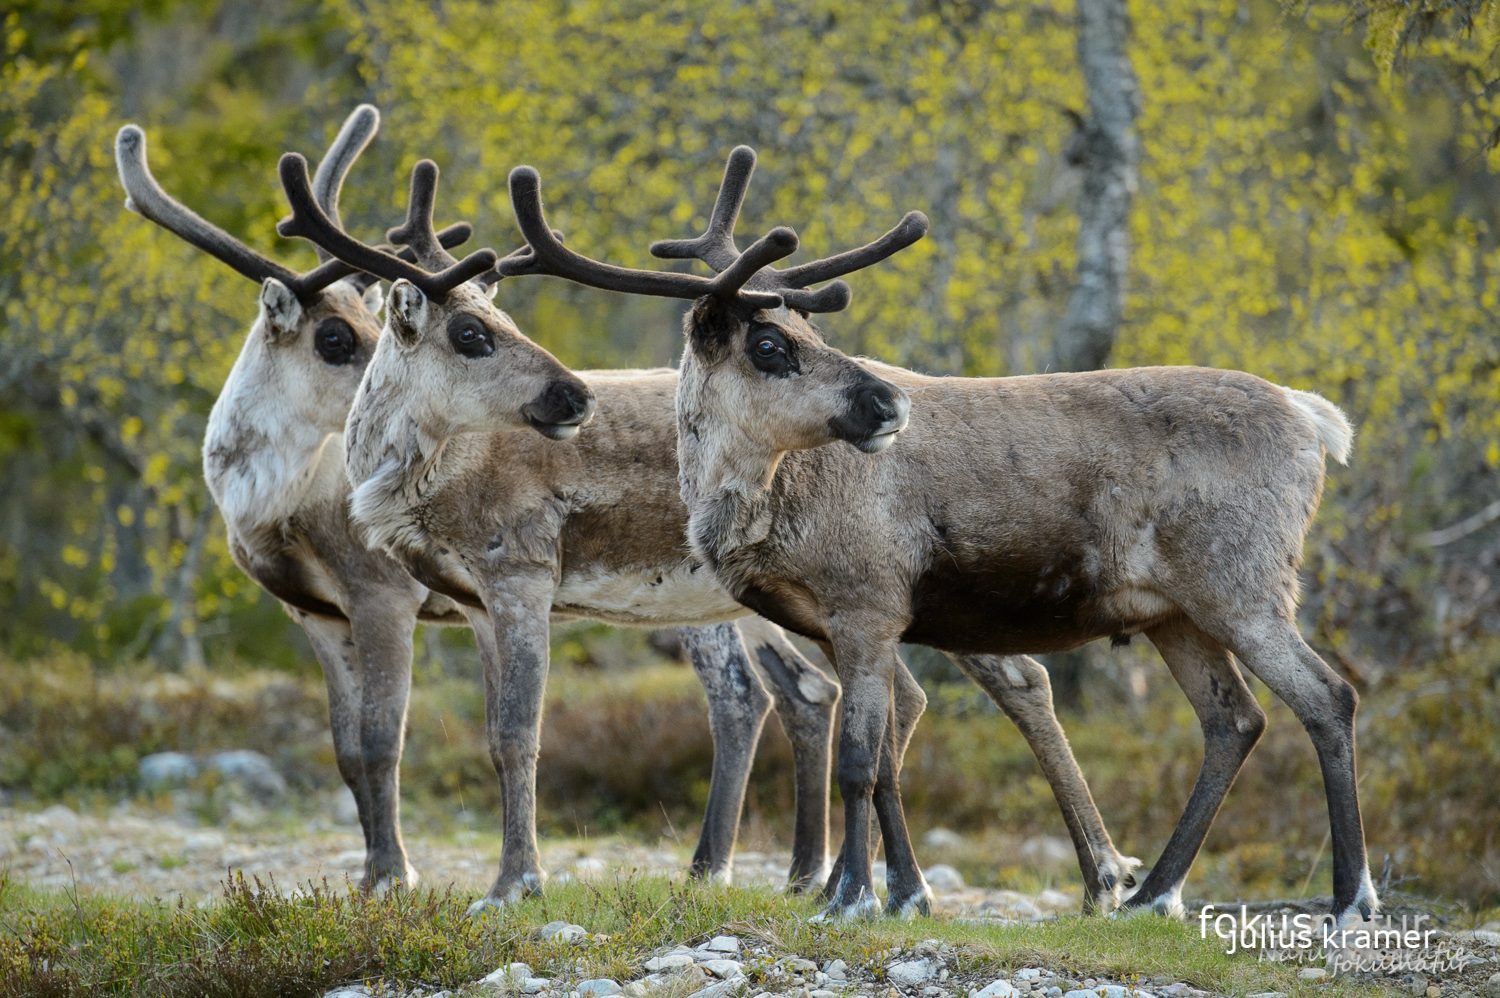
{"x": 374, "y": 298}
{"x": 280, "y": 311}
{"x": 406, "y": 313}
{"x": 493, "y": 290}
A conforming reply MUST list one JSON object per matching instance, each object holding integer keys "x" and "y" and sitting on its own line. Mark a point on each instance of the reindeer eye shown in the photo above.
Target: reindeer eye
{"x": 470, "y": 337}
{"x": 334, "y": 341}
{"x": 770, "y": 352}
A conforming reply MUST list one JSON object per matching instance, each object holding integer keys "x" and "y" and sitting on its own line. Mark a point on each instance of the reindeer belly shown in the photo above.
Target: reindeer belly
{"x": 647, "y": 596}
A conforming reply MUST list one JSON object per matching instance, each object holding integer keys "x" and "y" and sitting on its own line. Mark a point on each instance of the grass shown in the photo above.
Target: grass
{"x": 256, "y": 942}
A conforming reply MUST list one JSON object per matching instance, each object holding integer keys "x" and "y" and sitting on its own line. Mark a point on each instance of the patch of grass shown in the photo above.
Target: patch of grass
{"x": 258, "y": 942}
{"x": 168, "y": 862}
{"x": 122, "y": 866}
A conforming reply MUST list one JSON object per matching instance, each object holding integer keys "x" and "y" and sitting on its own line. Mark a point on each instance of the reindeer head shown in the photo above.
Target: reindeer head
{"x": 316, "y": 331}
{"x": 753, "y": 361}
{"x": 452, "y": 362}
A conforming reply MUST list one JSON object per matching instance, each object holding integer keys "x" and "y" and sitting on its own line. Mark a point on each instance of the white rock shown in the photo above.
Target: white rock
{"x": 343, "y": 809}
{"x": 348, "y": 991}
{"x": 723, "y": 944}
{"x": 1048, "y": 850}
{"x": 801, "y": 966}
{"x": 1055, "y": 899}
{"x": 511, "y": 975}
{"x": 1268, "y": 994}
{"x": 203, "y": 841}
{"x": 598, "y": 986}
{"x": 932, "y": 991}
{"x": 669, "y": 962}
{"x": 1028, "y": 974}
{"x": 822, "y": 994}
{"x": 1112, "y": 991}
{"x": 162, "y": 769}
{"x": 1312, "y": 973}
{"x": 634, "y": 989}
{"x": 535, "y": 985}
{"x": 564, "y": 932}
{"x": 588, "y": 867}
{"x": 724, "y": 969}
{"x": 942, "y": 838}
{"x": 910, "y": 973}
{"x": 837, "y": 970}
{"x": 1000, "y": 988}
{"x": 942, "y": 877}
{"x": 718, "y": 990}
{"x": 252, "y": 770}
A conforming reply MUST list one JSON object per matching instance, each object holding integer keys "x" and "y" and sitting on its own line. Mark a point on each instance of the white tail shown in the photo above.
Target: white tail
{"x": 1328, "y": 419}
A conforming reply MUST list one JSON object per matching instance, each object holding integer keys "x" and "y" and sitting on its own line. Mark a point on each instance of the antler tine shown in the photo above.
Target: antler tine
{"x": 309, "y": 221}
{"x": 146, "y": 197}
{"x": 454, "y": 235}
{"x": 551, "y": 257}
{"x": 911, "y": 228}
{"x": 716, "y": 246}
{"x": 355, "y": 135}
{"x": 417, "y": 231}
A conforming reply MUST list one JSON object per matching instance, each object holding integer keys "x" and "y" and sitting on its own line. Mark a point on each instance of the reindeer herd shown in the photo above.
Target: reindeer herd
{"x": 443, "y": 468}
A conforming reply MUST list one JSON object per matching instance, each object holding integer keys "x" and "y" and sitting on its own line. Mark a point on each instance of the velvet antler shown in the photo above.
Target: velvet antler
{"x": 716, "y": 247}
{"x": 549, "y": 256}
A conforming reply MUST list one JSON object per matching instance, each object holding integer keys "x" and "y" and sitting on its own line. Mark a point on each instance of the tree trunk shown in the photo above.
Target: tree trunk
{"x": 1107, "y": 149}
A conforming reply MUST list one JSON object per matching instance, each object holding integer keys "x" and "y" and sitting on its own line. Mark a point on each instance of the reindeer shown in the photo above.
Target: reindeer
{"x": 1004, "y": 516}
{"x": 273, "y": 460}
{"x": 591, "y": 525}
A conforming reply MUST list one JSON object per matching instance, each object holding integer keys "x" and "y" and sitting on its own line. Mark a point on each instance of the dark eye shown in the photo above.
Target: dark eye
{"x": 334, "y": 341}
{"x": 771, "y": 353}
{"x": 470, "y": 337}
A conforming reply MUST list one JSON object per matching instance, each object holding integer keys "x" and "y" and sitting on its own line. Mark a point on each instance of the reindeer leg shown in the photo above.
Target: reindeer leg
{"x": 907, "y": 892}
{"x": 515, "y": 653}
{"x": 1232, "y": 723}
{"x": 737, "y": 709}
{"x": 867, "y": 666}
{"x": 1325, "y": 703}
{"x": 333, "y": 644}
{"x": 383, "y": 639}
{"x": 1020, "y": 687}
{"x": 804, "y": 699}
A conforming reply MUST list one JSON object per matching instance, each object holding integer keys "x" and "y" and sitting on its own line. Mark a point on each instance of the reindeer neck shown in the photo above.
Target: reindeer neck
{"x": 262, "y": 458}
{"x": 395, "y": 465}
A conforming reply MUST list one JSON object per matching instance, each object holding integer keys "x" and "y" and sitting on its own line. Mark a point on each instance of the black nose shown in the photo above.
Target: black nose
{"x": 562, "y": 407}
{"x": 875, "y": 414}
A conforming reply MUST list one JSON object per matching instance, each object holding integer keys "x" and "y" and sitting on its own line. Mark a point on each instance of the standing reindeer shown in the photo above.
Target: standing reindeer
{"x": 1026, "y": 514}
{"x": 592, "y": 525}
{"x": 273, "y": 459}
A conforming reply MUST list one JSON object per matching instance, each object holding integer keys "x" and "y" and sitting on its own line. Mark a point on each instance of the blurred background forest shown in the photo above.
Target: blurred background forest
{"x": 1315, "y": 201}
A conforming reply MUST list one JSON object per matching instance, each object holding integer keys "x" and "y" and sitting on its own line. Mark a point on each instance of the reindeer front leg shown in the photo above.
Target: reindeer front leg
{"x": 513, "y": 643}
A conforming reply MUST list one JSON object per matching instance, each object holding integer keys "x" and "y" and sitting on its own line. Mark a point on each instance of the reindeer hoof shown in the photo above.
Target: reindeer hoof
{"x": 865, "y": 909}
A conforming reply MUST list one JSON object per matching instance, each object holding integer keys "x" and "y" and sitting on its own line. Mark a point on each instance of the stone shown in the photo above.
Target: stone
{"x": 535, "y": 985}
{"x": 932, "y": 991}
{"x": 942, "y": 838}
{"x": 1112, "y": 991}
{"x": 1048, "y": 850}
{"x": 1053, "y": 992}
{"x": 348, "y": 991}
{"x": 723, "y": 944}
{"x": 563, "y": 932}
{"x": 942, "y": 877}
{"x": 251, "y": 770}
{"x": 910, "y": 973}
{"x": 822, "y": 993}
{"x": 512, "y": 975}
{"x": 1492, "y": 987}
{"x": 598, "y": 987}
{"x": 1312, "y": 974}
{"x": 724, "y": 969}
{"x": 1418, "y": 985}
{"x": 668, "y": 962}
{"x": 719, "y": 990}
{"x": 166, "y": 769}
{"x": 588, "y": 868}
{"x": 801, "y": 966}
{"x": 1028, "y": 974}
{"x": 343, "y": 809}
{"x": 837, "y": 970}
{"x": 635, "y": 989}
{"x": 1267, "y": 994}
{"x": 1000, "y": 988}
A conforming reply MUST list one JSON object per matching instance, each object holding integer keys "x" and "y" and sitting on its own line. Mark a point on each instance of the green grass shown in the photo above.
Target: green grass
{"x": 259, "y": 943}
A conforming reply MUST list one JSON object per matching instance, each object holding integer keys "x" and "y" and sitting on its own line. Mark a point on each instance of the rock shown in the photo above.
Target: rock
{"x": 942, "y": 877}
{"x": 166, "y": 769}
{"x": 1053, "y": 992}
{"x": 1418, "y": 985}
{"x": 722, "y": 944}
{"x": 932, "y": 991}
{"x": 563, "y": 932}
{"x": 1112, "y": 991}
{"x": 535, "y": 985}
{"x": 348, "y": 991}
{"x": 837, "y": 970}
{"x": 203, "y": 841}
{"x": 635, "y": 989}
{"x": 1492, "y": 987}
{"x": 588, "y": 868}
{"x": 799, "y": 965}
{"x": 723, "y": 969}
{"x": 1267, "y": 994}
{"x": 719, "y": 990}
{"x": 816, "y": 993}
{"x": 910, "y": 973}
{"x": 342, "y": 808}
{"x": 1489, "y": 937}
{"x": 598, "y": 986}
{"x": 251, "y": 770}
{"x": 669, "y": 962}
{"x": 1028, "y": 974}
{"x": 513, "y": 975}
{"x": 1312, "y": 974}
{"x": 1048, "y": 850}
{"x": 1000, "y": 988}
{"x": 942, "y": 838}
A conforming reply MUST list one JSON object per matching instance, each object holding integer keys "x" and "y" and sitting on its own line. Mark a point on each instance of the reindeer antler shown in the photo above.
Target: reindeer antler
{"x": 549, "y": 256}
{"x": 309, "y": 221}
{"x": 716, "y": 247}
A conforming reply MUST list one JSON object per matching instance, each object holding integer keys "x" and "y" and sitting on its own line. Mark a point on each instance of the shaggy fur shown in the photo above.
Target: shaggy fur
{"x": 1022, "y": 515}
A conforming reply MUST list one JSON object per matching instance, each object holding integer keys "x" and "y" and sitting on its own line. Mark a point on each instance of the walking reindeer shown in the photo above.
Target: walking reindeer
{"x": 448, "y": 482}
{"x": 273, "y": 459}
{"x": 1003, "y": 516}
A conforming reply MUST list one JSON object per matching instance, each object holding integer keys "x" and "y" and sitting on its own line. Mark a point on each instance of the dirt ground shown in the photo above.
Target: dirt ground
{"x": 133, "y": 852}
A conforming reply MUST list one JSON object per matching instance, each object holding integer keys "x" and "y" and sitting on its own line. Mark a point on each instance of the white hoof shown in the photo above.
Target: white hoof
{"x": 865, "y": 909}
{"x": 388, "y": 883}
